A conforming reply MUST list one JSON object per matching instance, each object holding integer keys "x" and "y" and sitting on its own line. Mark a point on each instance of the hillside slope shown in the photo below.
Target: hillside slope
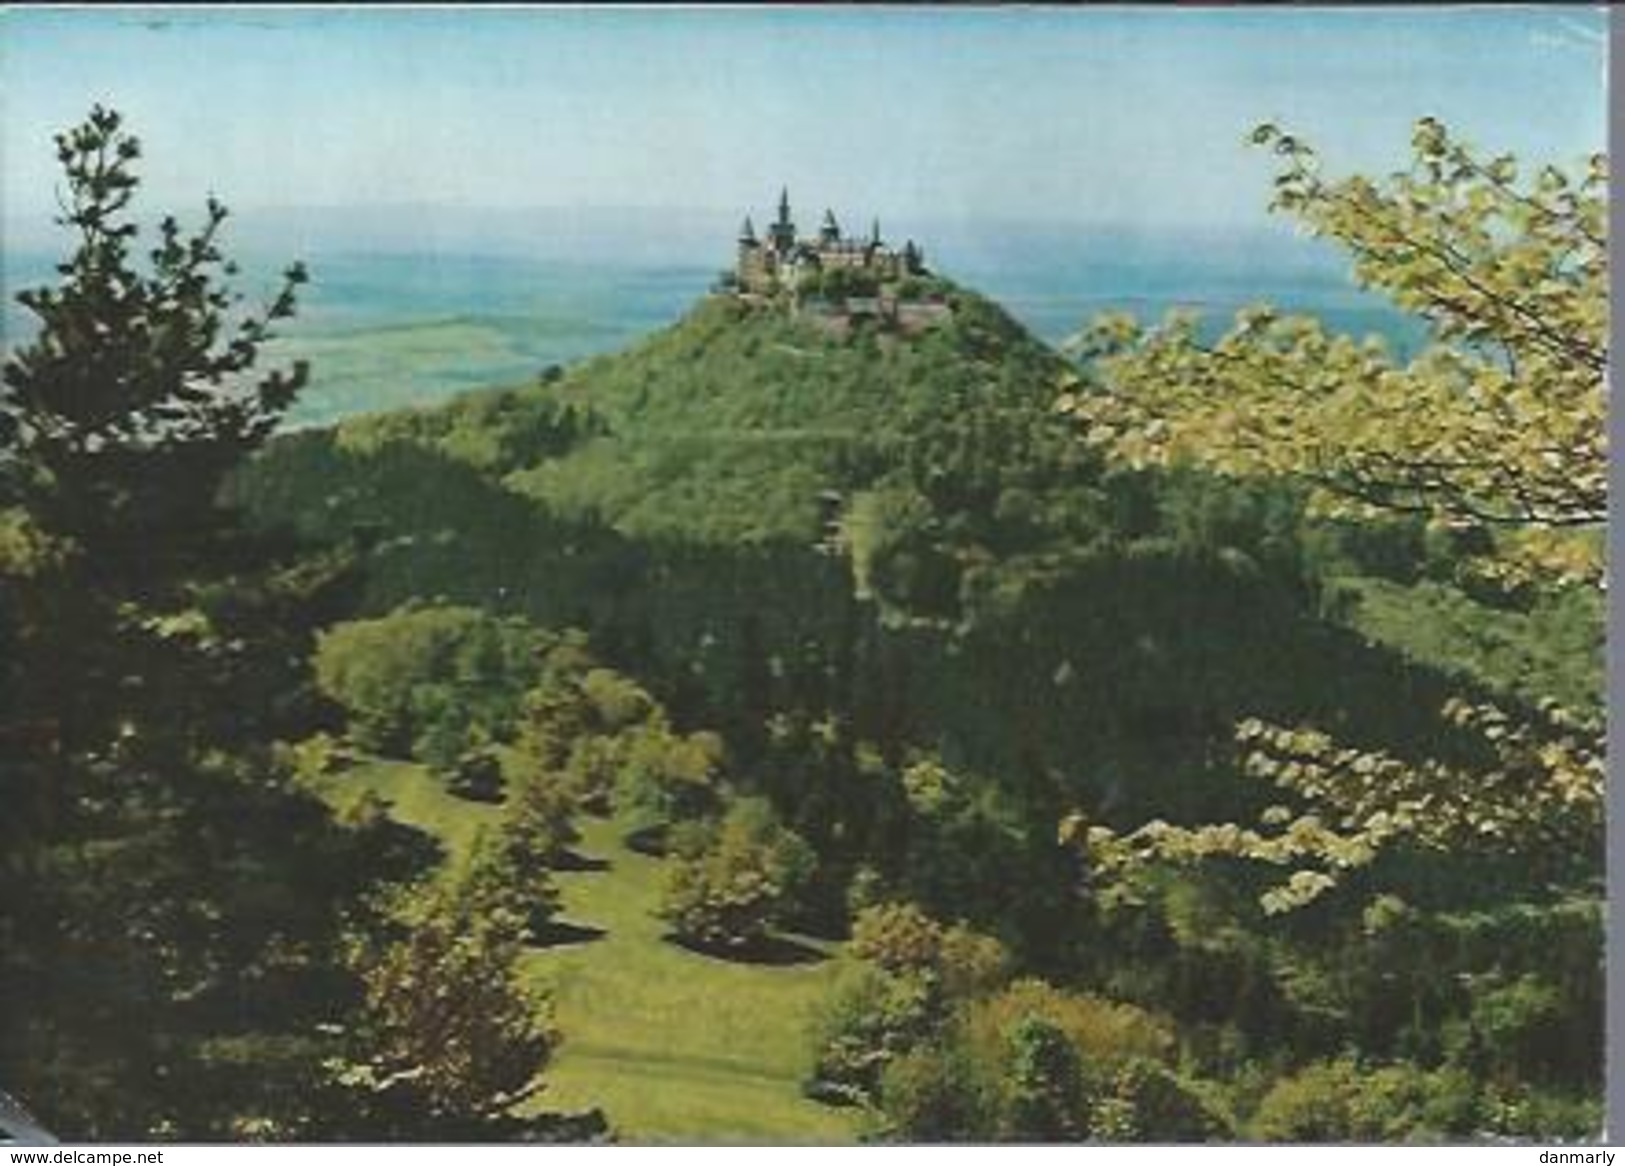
{"x": 1077, "y": 636}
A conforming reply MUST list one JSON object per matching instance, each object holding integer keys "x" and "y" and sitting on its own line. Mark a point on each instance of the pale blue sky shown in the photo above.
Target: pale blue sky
{"x": 1076, "y": 116}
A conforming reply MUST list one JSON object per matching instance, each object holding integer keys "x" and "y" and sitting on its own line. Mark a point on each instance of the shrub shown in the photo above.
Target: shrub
{"x": 1149, "y": 1102}
{"x": 450, "y": 1038}
{"x": 971, "y": 964}
{"x": 935, "y": 1094}
{"x": 1337, "y": 1101}
{"x": 510, "y": 895}
{"x": 538, "y": 827}
{"x": 728, "y": 889}
{"x": 1044, "y": 1085}
{"x": 616, "y": 702}
{"x": 869, "y": 1019}
{"x": 425, "y": 678}
{"x": 1106, "y": 1034}
{"x": 896, "y": 937}
{"x": 476, "y": 776}
{"x": 666, "y": 778}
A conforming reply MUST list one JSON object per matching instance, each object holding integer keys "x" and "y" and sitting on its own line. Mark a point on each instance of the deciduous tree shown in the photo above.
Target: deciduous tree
{"x": 1497, "y": 425}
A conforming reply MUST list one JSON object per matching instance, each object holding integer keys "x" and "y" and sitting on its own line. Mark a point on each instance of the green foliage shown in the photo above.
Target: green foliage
{"x": 1106, "y": 1034}
{"x": 495, "y": 431}
{"x": 1149, "y": 1102}
{"x": 667, "y": 777}
{"x": 1034, "y": 628}
{"x": 726, "y": 889}
{"x": 725, "y": 428}
{"x": 869, "y": 1018}
{"x": 452, "y": 1039}
{"x": 838, "y": 283}
{"x": 907, "y": 974}
{"x": 476, "y": 775}
{"x": 585, "y": 722}
{"x": 1497, "y": 425}
{"x": 1045, "y": 1084}
{"x": 1515, "y": 1028}
{"x": 1495, "y": 428}
{"x": 1554, "y": 650}
{"x": 935, "y": 1093}
{"x": 1337, "y": 1101}
{"x": 429, "y": 681}
{"x": 501, "y": 886}
{"x": 538, "y": 825}
{"x": 1036, "y": 1064}
{"x": 135, "y": 378}
{"x": 896, "y": 937}
{"x": 170, "y": 932}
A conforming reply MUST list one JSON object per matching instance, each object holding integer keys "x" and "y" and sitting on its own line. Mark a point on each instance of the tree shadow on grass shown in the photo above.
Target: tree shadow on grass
{"x": 561, "y": 934}
{"x": 770, "y": 951}
{"x": 572, "y": 861}
{"x": 649, "y": 841}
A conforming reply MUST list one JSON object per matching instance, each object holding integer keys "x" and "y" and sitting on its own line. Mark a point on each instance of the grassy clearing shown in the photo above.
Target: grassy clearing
{"x": 674, "y": 1046}
{"x": 415, "y": 799}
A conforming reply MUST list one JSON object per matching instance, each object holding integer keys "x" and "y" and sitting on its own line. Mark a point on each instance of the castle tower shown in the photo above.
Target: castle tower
{"x": 747, "y": 268}
{"x": 830, "y": 232}
{"x": 783, "y": 232}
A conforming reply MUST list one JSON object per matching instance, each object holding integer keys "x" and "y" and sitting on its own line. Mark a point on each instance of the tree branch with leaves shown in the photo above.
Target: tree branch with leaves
{"x": 1497, "y": 425}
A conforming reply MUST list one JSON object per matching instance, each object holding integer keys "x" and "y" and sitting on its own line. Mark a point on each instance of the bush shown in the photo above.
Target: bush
{"x": 869, "y": 1019}
{"x": 424, "y": 679}
{"x": 538, "y": 827}
{"x": 667, "y": 778}
{"x": 1106, "y": 1034}
{"x": 507, "y": 893}
{"x": 896, "y": 937}
{"x": 450, "y": 1038}
{"x": 617, "y": 703}
{"x": 727, "y": 889}
{"x": 935, "y": 1094}
{"x": 476, "y": 776}
{"x": 971, "y": 964}
{"x": 1151, "y": 1103}
{"x": 1044, "y": 1084}
{"x": 1337, "y": 1101}
{"x": 1519, "y": 1026}
{"x": 1013, "y": 1072}
{"x": 592, "y": 769}
{"x": 900, "y": 937}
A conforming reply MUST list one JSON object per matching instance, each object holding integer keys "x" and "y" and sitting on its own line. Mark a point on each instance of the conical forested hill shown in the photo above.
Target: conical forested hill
{"x": 992, "y": 588}
{"x": 859, "y": 555}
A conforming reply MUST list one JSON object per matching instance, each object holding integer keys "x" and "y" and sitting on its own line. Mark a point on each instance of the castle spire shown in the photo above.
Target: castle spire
{"x": 783, "y": 231}
{"x": 747, "y": 233}
{"x": 830, "y": 232}
{"x": 874, "y": 234}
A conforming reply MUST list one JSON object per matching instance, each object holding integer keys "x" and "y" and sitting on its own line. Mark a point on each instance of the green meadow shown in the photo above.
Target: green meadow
{"x": 674, "y": 1046}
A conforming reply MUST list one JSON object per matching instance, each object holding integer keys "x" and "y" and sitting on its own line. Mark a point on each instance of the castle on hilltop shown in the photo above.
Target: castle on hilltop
{"x": 784, "y": 262}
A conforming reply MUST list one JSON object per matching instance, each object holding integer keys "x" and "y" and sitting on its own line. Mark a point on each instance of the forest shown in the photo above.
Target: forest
{"x": 761, "y": 734}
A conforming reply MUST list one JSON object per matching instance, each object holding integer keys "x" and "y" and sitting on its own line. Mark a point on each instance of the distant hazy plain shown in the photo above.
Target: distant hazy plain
{"x": 398, "y": 316}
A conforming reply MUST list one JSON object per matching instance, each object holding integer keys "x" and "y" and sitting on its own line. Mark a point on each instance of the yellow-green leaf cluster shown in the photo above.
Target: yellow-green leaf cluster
{"x": 1498, "y": 423}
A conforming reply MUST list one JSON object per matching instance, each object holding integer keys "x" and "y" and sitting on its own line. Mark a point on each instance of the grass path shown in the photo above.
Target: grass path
{"x": 673, "y": 1045}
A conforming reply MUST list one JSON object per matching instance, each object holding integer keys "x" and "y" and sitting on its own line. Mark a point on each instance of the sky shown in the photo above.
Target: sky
{"x": 1129, "y": 116}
